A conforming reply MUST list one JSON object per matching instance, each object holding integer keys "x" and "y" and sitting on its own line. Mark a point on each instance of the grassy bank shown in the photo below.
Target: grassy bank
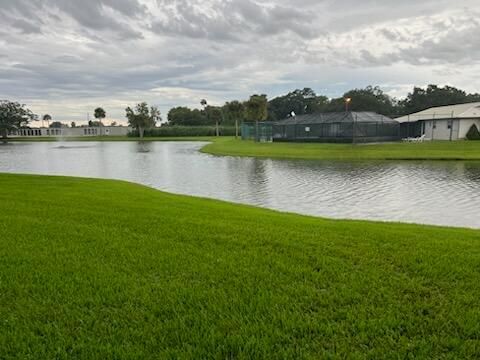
{"x": 106, "y": 269}
{"x": 431, "y": 150}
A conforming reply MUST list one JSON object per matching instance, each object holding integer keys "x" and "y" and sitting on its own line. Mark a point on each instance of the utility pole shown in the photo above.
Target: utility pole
{"x": 354, "y": 118}
{"x": 408, "y": 127}
{"x": 434, "y": 125}
{"x": 347, "y": 102}
{"x": 451, "y": 126}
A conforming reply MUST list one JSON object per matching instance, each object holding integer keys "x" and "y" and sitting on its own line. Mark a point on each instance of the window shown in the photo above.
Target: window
{"x": 434, "y": 124}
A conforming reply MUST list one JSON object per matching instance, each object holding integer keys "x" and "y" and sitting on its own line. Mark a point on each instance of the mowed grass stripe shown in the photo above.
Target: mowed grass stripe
{"x": 108, "y": 269}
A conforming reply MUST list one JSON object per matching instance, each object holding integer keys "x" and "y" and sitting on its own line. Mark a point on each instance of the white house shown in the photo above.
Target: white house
{"x": 73, "y": 132}
{"x": 441, "y": 123}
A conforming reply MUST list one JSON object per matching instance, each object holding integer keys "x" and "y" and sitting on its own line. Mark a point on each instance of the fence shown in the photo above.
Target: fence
{"x": 338, "y": 132}
{"x": 261, "y": 131}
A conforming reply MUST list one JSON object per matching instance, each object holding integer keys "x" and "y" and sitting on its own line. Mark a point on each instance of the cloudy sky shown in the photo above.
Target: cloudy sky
{"x": 65, "y": 57}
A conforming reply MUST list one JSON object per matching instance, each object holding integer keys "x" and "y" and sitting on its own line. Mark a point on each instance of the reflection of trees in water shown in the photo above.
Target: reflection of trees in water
{"x": 343, "y": 170}
{"x": 249, "y": 176}
{"x": 385, "y": 179}
{"x": 471, "y": 170}
{"x": 362, "y": 170}
{"x": 144, "y": 146}
{"x": 103, "y": 159}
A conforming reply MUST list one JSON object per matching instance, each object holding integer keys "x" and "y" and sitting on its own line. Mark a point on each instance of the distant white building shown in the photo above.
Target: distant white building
{"x": 441, "y": 123}
{"x": 73, "y": 131}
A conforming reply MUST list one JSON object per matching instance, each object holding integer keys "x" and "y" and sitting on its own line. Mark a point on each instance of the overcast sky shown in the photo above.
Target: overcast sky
{"x": 66, "y": 57}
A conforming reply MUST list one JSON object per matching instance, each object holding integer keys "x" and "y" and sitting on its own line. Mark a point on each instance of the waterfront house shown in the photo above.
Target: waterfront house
{"x": 441, "y": 123}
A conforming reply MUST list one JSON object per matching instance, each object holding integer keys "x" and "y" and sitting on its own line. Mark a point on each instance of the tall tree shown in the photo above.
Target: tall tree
{"x": 301, "y": 102}
{"x": 47, "y": 118}
{"x": 215, "y": 113}
{"x": 100, "y": 114}
{"x": 142, "y": 117}
{"x": 433, "y": 95}
{"x": 57, "y": 125}
{"x": 368, "y": 99}
{"x": 13, "y": 115}
{"x": 235, "y": 110}
{"x": 184, "y": 116}
{"x": 256, "y": 108}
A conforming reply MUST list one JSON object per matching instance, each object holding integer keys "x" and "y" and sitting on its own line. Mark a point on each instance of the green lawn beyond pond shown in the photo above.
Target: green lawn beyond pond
{"x": 428, "y": 150}
{"x": 98, "y": 269}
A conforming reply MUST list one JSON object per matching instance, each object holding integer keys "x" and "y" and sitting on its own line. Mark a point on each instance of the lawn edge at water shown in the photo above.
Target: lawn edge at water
{"x": 426, "y": 151}
{"x": 235, "y": 204}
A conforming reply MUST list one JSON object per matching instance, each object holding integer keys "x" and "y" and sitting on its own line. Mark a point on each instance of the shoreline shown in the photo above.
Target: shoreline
{"x": 229, "y": 146}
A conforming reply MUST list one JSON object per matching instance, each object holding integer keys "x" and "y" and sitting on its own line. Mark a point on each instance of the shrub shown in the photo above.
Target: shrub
{"x": 172, "y": 131}
{"x": 473, "y": 133}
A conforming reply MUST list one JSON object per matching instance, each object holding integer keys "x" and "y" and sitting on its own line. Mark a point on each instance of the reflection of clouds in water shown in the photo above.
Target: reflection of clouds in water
{"x": 426, "y": 192}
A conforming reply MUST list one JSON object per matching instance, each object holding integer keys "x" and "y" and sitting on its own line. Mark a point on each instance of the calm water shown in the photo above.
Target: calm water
{"x": 444, "y": 193}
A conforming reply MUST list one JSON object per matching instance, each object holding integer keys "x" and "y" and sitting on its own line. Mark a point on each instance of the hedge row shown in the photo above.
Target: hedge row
{"x": 167, "y": 131}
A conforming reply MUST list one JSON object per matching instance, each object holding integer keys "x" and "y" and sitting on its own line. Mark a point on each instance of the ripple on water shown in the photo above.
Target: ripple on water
{"x": 443, "y": 193}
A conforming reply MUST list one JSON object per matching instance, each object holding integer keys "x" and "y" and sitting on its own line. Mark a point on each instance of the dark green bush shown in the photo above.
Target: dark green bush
{"x": 473, "y": 133}
{"x": 172, "y": 131}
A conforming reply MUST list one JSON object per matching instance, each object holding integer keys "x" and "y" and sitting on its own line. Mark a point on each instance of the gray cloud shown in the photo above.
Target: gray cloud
{"x": 26, "y": 27}
{"x": 231, "y": 20}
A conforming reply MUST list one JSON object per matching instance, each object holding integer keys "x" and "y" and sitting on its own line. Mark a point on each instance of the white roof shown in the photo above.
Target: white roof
{"x": 460, "y": 111}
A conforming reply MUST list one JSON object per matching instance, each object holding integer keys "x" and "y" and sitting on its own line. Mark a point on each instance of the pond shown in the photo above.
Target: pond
{"x": 441, "y": 193}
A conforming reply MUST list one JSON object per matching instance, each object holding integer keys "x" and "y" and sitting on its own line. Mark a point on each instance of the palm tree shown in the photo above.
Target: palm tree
{"x": 100, "y": 114}
{"x": 46, "y": 118}
{"x": 212, "y": 112}
{"x": 216, "y": 114}
{"x": 236, "y": 111}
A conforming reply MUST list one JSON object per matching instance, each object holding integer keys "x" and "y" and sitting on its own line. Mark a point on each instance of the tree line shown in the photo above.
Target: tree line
{"x": 306, "y": 101}
{"x": 14, "y": 115}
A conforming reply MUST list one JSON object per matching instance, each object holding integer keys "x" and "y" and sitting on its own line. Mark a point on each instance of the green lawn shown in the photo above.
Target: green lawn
{"x": 429, "y": 150}
{"x": 98, "y": 269}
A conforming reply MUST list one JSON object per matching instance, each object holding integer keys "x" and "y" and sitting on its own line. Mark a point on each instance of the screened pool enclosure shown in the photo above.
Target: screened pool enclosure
{"x": 337, "y": 127}
{"x": 258, "y": 131}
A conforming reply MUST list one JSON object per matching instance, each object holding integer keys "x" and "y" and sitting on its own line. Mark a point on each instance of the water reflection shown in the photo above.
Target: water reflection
{"x": 144, "y": 146}
{"x": 444, "y": 193}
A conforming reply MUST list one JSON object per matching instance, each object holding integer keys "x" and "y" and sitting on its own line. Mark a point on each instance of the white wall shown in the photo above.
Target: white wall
{"x": 440, "y": 130}
{"x": 465, "y": 125}
{"x": 77, "y": 131}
